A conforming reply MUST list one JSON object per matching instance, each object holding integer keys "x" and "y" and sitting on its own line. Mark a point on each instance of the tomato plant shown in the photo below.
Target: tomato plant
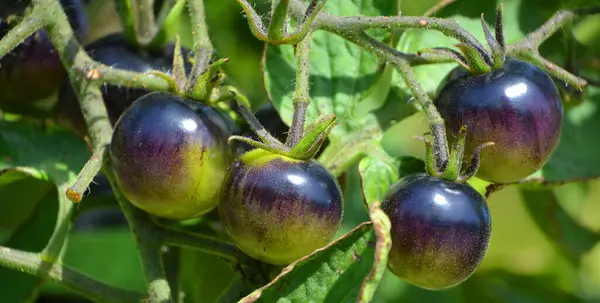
{"x": 302, "y": 151}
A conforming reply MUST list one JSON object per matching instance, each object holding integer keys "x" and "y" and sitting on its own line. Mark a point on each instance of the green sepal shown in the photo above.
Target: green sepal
{"x": 179, "y": 74}
{"x": 474, "y": 165}
{"x": 276, "y": 31}
{"x": 212, "y": 77}
{"x": 456, "y": 156}
{"x": 476, "y": 61}
{"x": 257, "y": 144}
{"x": 126, "y": 15}
{"x": 173, "y": 86}
{"x": 500, "y": 27}
{"x": 498, "y": 53}
{"x": 448, "y": 52}
{"x": 429, "y": 157}
{"x": 169, "y": 26}
{"x": 313, "y": 138}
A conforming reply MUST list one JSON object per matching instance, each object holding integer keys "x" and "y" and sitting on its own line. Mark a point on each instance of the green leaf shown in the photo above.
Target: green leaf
{"x": 20, "y": 195}
{"x": 48, "y": 153}
{"x": 378, "y": 172}
{"x": 31, "y": 236}
{"x": 35, "y": 156}
{"x": 382, "y": 226}
{"x": 577, "y": 152}
{"x": 89, "y": 251}
{"x": 342, "y": 75}
{"x": 203, "y": 277}
{"x": 331, "y": 274}
{"x": 568, "y": 235}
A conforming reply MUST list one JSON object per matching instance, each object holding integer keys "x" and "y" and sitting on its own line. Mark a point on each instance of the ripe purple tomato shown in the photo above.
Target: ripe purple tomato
{"x": 170, "y": 155}
{"x": 440, "y": 230}
{"x": 278, "y": 209}
{"x": 517, "y": 107}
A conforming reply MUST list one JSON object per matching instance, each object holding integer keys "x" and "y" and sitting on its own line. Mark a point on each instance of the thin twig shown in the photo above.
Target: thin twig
{"x": 149, "y": 245}
{"x": 86, "y": 175}
{"x": 210, "y": 245}
{"x": 146, "y": 25}
{"x": 33, "y": 264}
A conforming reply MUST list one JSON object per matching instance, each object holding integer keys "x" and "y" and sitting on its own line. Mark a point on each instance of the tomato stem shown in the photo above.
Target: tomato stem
{"x": 32, "y": 263}
{"x": 279, "y": 14}
{"x": 126, "y": 15}
{"x": 202, "y": 46}
{"x": 146, "y": 21}
{"x": 456, "y": 156}
{"x": 91, "y": 168}
{"x": 301, "y": 97}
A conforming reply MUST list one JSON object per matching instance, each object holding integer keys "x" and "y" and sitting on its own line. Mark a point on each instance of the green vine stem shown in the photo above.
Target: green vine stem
{"x": 86, "y": 175}
{"x": 436, "y": 122}
{"x": 527, "y": 48}
{"x": 301, "y": 97}
{"x": 149, "y": 245}
{"x": 33, "y": 264}
{"x": 146, "y": 25}
{"x": 53, "y": 249}
{"x": 202, "y": 46}
{"x": 14, "y": 37}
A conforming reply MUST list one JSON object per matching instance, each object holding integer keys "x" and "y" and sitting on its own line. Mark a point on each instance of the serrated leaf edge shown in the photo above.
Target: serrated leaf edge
{"x": 256, "y": 294}
{"x": 382, "y": 226}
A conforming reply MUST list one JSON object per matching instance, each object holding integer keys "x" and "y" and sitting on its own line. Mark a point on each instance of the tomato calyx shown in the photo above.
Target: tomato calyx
{"x": 311, "y": 139}
{"x": 453, "y": 170}
{"x": 199, "y": 84}
{"x": 475, "y": 59}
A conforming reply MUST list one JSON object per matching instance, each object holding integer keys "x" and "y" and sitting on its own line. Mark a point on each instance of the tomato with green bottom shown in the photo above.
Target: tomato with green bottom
{"x": 440, "y": 230}
{"x": 278, "y": 209}
{"x": 170, "y": 155}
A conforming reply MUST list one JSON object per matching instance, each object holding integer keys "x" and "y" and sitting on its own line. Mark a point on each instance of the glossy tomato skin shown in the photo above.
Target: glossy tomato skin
{"x": 278, "y": 209}
{"x": 440, "y": 230}
{"x": 114, "y": 50}
{"x": 169, "y": 155}
{"x": 517, "y": 107}
{"x": 33, "y": 69}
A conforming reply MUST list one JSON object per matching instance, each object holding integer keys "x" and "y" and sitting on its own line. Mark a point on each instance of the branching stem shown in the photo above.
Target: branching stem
{"x": 33, "y": 264}
{"x": 146, "y": 25}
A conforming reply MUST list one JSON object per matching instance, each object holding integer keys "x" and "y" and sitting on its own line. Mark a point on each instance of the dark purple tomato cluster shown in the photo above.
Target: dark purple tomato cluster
{"x": 278, "y": 209}
{"x": 517, "y": 106}
{"x": 170, "y": 154}
{"x": 171, "y": 159}
{"x": 440, "y": 230}
{"x": 114, "y": 50}
{"x": 33, "y": 70}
